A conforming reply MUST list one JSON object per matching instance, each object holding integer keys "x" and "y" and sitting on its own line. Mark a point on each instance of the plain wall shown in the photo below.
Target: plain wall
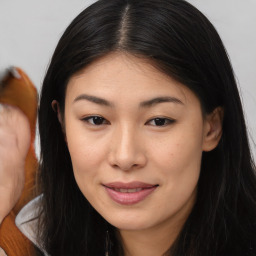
{"x": 30, "y": 30}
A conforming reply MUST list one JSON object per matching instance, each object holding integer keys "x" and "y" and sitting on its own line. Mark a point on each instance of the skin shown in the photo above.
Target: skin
{"x": 130, "y": 145}
{"x": 14, "y": 145}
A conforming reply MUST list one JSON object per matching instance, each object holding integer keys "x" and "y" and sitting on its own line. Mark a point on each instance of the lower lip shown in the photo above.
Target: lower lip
{"x": 129, "y": 198}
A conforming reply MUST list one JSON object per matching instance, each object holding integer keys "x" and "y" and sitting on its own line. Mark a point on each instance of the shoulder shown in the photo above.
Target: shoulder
{"x": 27, "y": 222}
{"x": 2, "y": 252}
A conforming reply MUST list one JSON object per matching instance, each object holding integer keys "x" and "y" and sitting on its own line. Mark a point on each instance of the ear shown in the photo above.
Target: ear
{"x": 56, "y": 109}
{"x": 213, "y": 129}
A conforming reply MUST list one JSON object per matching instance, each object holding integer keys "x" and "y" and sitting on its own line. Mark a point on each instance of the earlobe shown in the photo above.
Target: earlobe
{"x": 213, "y": 129}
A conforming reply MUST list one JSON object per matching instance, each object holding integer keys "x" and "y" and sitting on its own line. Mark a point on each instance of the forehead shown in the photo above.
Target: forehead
{"x": 121, "y": 76}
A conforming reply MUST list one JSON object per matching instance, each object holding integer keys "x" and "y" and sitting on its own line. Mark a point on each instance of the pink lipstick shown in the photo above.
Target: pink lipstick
{"x": 129, "y": 193}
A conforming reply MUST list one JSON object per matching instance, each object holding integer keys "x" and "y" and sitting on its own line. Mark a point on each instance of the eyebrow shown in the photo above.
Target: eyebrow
{"x": 147, "y": 103}
{"x": 93, "y": 99}
{"x": 157, "y": 100}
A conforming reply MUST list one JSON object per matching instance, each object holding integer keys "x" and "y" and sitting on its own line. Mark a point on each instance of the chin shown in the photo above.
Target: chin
{"x": 128, "y": 222}
{"x": 130, "y": 226}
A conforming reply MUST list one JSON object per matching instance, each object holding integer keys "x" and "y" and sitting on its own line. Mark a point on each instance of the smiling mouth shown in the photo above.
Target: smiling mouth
{"x": 126, "y": 190}
{"x": 129, "y": 193}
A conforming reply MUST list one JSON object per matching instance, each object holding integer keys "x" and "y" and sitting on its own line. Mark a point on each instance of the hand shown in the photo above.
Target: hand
{"x": 14, "y": 145}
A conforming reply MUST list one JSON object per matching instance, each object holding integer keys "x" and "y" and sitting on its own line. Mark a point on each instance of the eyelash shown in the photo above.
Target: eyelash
{"x": 163, "y": 121}
{"x": 88, "y": 118}
{"x": 167, "y": 121}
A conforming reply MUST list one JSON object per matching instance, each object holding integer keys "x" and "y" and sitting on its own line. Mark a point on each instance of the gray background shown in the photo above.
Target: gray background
{"x": 30, "y": 30}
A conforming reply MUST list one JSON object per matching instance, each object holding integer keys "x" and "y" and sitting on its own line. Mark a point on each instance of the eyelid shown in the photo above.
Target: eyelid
{"x": 168, "y": 119}
{"x": 87, "y": 118}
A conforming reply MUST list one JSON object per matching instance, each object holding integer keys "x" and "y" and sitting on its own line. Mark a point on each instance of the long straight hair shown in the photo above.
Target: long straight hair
{"x": 181, "y": 42}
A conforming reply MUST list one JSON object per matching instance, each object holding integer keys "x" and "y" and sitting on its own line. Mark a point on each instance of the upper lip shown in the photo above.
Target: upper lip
{"x": 129, "y": 185}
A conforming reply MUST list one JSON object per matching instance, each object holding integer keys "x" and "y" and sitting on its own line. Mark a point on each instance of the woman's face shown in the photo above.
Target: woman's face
{"x": 136, "y": 138}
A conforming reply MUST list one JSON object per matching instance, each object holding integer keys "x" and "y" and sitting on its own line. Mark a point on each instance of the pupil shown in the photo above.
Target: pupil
{"x": 160, "y": 121}
{"x": 97, "y": 120}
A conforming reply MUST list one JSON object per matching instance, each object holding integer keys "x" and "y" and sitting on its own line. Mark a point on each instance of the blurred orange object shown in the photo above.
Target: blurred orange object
{"x": 17, "y": 90}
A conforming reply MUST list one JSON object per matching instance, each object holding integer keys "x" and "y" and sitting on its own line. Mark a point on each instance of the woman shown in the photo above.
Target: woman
{"x": 144, "y": 144}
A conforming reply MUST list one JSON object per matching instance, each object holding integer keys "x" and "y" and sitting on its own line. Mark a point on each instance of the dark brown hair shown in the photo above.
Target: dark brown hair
{"x": 182, "y": 43}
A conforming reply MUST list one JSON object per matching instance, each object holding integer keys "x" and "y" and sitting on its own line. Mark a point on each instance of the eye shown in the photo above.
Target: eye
{"x": 160, "y": 121}
{"x": 95, "y": 120}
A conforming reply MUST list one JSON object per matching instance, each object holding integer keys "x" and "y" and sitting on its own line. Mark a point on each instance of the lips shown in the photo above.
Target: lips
{"x": 129, "y": 193}
{"x": 127, "y": 190}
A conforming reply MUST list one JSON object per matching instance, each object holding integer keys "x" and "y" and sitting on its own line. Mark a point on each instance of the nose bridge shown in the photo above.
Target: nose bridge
{"x": 126, "y": 140}
{"x": 126, "y": 150}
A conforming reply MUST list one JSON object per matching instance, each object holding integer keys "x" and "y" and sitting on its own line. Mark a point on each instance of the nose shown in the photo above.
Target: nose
{"x": 127, "y": 150}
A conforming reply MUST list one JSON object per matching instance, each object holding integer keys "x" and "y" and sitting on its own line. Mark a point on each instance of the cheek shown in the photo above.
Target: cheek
{"x": 82, "y": 145}
{"x": 86, "y": 155}
{"x": 178, "y": 159}
{"x": 180, "y": 149}
{"x": 85, "y": 162}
